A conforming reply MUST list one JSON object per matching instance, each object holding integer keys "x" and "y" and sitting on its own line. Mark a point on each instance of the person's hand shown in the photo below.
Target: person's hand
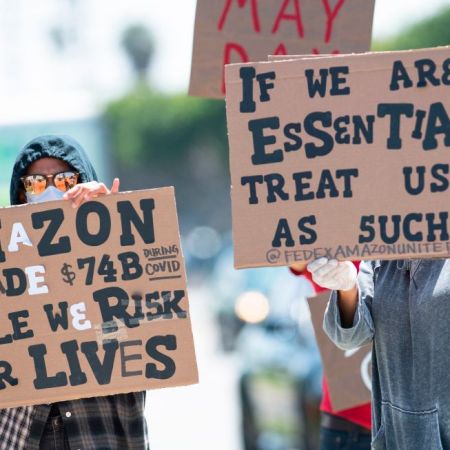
{"x": 298, "y": 267}
{"x": 333, "y": 274}
{"x": 85, "y": 192}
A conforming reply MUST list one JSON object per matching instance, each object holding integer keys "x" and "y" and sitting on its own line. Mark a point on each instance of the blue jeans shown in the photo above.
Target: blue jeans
{"x": 343, "y": 440}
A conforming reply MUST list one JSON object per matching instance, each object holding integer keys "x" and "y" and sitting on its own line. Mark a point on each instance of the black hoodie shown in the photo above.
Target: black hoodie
{"x": 50, "y": 146}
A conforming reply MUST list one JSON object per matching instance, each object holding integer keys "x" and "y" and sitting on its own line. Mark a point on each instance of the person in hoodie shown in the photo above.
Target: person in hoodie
{"x": 403, "y": 307}
{"x": 55, "y": 168}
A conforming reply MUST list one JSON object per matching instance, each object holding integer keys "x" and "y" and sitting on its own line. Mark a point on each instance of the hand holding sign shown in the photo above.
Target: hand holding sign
{"x": 332, "y": 274}
{"x": 83, "y": 312}
{"x": 84, "y": 192}
{"x": 79, "y": 194}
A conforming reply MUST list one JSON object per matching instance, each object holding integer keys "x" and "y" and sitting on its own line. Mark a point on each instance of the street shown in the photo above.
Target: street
{"x": 205, "y": 416}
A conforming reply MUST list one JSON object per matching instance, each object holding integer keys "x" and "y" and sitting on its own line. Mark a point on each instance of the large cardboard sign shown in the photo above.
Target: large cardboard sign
{"x": 274, "y": 58}
{"x": 349, "y": 372}
{"x": 93, "y": 300}
{"x": 229, "y": 31}
{"x": 345, "y": 157}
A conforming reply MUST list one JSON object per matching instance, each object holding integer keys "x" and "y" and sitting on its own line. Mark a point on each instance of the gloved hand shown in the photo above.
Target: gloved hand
{"x": 333, "y": 274}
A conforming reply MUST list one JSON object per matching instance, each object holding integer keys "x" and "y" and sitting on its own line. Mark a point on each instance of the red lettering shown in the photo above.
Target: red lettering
{"x": 331, "y": 16}
{"x": 241, "y": 4}
{"x": 315, "y": 51}
{"x": 282, "y": 15}
{"x": 230, "y": 47}
{"x": 281, "y": 50}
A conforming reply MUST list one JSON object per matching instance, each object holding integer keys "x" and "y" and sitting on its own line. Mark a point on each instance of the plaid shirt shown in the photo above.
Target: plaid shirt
{"x": 14, "y": 427}
{"x": 114, "y": 422}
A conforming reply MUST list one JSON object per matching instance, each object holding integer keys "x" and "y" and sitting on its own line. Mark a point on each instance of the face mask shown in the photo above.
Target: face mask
{"x": 51, "y": 193}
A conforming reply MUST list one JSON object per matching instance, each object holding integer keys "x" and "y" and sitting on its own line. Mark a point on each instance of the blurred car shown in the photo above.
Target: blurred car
{"x": 263, "y": 315}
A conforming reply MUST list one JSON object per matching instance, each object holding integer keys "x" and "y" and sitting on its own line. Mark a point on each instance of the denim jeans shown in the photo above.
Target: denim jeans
{"x": 343, "y": 440}
{"x": 54, "y": 436}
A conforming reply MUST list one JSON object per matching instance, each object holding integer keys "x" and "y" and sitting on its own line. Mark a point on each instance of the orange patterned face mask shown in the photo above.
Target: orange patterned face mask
{"x": 36, "y": 184}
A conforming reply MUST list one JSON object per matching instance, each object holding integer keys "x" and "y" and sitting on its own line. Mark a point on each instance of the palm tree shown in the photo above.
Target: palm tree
{"x": 138, "y": 44}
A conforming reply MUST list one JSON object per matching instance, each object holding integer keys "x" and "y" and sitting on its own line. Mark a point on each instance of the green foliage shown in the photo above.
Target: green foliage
{"x": 431, "y": 32}
{"x": 149, "y": 128}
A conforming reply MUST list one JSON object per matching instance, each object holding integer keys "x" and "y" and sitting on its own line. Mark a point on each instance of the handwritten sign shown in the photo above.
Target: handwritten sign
{"x": 229, "y": 31}
{"x": 93, "y": 300}
{"x": 345, "y": 157}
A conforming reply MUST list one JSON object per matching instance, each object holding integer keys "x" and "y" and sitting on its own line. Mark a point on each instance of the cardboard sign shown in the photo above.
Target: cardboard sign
{"x": 93, "y": 299}
{"x": 348, "y": 373}
{"x": 273, "y": 58}
{"x": 345, "y": 157}
{"x": 229, "y": 31}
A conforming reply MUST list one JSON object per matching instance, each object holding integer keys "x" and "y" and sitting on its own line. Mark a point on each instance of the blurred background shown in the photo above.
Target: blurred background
{"x": 114, "y": 75}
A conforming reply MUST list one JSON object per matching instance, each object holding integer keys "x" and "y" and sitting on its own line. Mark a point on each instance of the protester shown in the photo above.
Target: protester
{"x": 55, "y": 168}
{"x": 350, "y": 428}
{"x": 404, "y": 308}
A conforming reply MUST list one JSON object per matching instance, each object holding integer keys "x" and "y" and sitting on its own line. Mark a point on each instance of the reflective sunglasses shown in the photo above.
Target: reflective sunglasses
{"x": 36, "y": 184}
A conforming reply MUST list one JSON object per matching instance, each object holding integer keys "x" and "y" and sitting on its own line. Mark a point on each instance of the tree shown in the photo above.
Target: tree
{"x": 146, "y": 127}
{"x": 138, "y": 44}
{"x": 173, "y": 140}
{"x": 431, "y": 32}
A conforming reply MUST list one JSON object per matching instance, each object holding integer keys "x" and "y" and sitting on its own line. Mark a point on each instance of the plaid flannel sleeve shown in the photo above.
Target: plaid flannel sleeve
{"x": 114, "y": 422}
{"x": 15, "y": 425}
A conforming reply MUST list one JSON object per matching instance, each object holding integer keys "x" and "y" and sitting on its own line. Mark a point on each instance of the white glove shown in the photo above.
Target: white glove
{"x": 333, "y": 274}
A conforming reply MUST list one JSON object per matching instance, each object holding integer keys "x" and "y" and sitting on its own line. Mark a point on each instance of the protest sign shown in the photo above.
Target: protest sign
{"x": 93, "y": 299}
{"x": 344, "y": 157}
{"x": 348, "y": 372}
{"x": 229, "y": 31}
{"x": 272, "y": 58}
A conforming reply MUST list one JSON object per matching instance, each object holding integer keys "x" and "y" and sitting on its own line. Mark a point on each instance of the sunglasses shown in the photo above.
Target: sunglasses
{"x": 36, "y": 184}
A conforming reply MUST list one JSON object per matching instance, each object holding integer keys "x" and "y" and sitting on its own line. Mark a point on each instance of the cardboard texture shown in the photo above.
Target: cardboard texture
{"x": 95, "y": 301}
{"x": 274, "y": 58}
{"x": 348, "y": 373}
{"x": 228, "y": 31}
{"x": 344, "y": 157}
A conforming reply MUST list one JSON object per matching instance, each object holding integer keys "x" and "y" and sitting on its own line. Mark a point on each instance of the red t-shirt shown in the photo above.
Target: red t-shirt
{"x": 359, "y": 414}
